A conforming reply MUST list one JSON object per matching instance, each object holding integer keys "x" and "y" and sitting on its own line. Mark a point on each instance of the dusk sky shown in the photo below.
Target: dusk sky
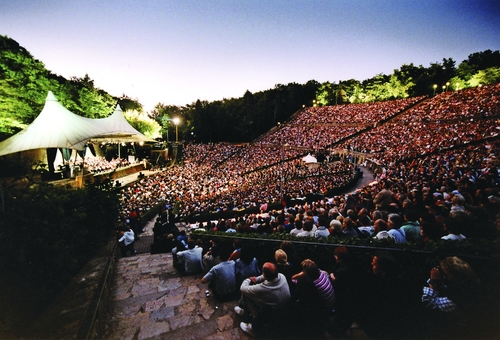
{"x": 176, "y": 52}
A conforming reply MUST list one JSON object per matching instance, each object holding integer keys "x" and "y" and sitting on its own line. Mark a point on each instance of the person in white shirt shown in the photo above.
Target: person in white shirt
{"x": 126, "y": 242}
{"x": 192, "y": 258}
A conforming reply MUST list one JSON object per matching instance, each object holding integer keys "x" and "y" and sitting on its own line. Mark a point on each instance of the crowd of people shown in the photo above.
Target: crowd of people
{"x": 273, "y": 295}
{"x": 98, "y": 165}
{"x": 437, "y": 178}
{"x": 319, "y": 127}
{"x": 446, "y": 120}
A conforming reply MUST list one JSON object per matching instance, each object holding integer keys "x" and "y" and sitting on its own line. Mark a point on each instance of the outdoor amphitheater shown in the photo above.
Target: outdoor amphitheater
{"x": 433, "y": 161}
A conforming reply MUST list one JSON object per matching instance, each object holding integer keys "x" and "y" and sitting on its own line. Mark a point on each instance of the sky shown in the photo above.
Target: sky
{"x": 176, "y": 52}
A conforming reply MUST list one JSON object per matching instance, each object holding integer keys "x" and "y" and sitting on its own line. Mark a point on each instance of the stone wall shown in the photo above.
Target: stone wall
{"x": 80, "y": 311}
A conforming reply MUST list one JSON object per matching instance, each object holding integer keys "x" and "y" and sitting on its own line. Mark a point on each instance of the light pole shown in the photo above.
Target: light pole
{"x": 444, "y": 87}
{"x": 176, "y": 121}
{"x": 447, "y": 84}
{"x": 434, "y": 87}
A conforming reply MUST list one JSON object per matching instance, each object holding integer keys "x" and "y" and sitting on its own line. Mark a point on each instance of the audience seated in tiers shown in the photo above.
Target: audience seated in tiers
{"x": 98, "y": 165}
{"x": 434, "y": 162}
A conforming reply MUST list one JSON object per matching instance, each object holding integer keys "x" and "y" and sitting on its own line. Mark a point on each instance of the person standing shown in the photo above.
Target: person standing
{"x": 126, "y": 241}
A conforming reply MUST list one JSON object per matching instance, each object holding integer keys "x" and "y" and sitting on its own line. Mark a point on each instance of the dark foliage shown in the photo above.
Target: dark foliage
{"x": 47, "y": 234}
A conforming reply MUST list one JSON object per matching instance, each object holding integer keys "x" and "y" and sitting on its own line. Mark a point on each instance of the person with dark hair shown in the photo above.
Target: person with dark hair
{"x": 246, "y": 265}
{"x": 452, "y": 299}
{"x": 347, "y": 281}
{"x": 453, "y": 225}
{"x": 211, "y": 257}
{"x": 236, "y": 250}
{"x": 192, "y": 258}
{"x": 263, "y": 297}
{"x": 411, "y": 226}
{"x": 314, "y": 290}
{"x": 126, "y": 241}
{"x": 349, "y": 228}
{"x": 322, "y": 230}
{"x": 222, "y": 277}
{"x": 297, "y": 229}
{"x": 380, "y": 230}
{"x": 394, "y": 222}
{"x": 307, "y": 227}
{"x": 384, "y": 198}
{"x": 381, "y": 315}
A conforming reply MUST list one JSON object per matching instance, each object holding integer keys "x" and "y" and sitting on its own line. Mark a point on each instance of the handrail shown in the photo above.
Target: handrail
{"x": 90, "y": 324}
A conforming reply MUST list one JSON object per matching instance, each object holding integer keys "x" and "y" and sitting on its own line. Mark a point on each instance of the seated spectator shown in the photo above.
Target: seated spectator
{"x": 380, "y": 317}
{"x": 291, "y": 254}
{"x": 307, "y": 229}
{"x": 322, "y": 231}
{"x": 365, "y": 225}
{"x": 263, "y": 298}
{"x": 347, "y": 281}
{"x": 180, "y": 245}
{"x": 298, "y": 228}
{"x": 394, "y": 223}
{"x": 211, "y": 257}
{"x": 285, "y": 267}
{"x": 246, "y": 265}
{"x": 453, "y": 226}
{"x": 335, "y": 227}
{"x": 236, "y": 250}
{"x": 192, "y": 258}
{"x": 453, "y": 294}
{"x": 314, "y": 292}
{"x": 349, "y": 228}
{"x": 411, "y": 226}
{"x": 222, "y": 277}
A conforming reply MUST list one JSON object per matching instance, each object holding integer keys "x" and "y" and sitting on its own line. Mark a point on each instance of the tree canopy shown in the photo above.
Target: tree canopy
{"x": 24, "y": 83}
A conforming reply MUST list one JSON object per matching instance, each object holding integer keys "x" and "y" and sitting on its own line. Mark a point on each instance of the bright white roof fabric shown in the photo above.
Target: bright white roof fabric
{"x": 309, "y": 159}
{"x": 57, "y": 127}
{"x": 117, "y": 129}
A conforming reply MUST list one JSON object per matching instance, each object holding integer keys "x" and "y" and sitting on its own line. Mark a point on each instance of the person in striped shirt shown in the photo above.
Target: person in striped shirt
{"x": 314, "y": 291}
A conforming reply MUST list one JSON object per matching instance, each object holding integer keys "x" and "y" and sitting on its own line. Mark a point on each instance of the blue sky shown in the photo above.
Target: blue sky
{"x": 176, "y": 52}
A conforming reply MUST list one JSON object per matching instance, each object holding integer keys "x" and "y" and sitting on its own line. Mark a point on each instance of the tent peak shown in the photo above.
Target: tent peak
{"x": 51, "y": 97}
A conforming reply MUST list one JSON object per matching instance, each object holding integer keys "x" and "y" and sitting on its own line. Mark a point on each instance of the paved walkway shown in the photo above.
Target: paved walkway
{"x": 153, "y": 301}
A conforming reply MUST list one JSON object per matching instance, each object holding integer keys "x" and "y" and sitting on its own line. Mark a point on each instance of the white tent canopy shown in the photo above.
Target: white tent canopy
{"x": 309, "y": 159}
{"x": 119, "y": 130}
{"x": 57, "y": 127}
